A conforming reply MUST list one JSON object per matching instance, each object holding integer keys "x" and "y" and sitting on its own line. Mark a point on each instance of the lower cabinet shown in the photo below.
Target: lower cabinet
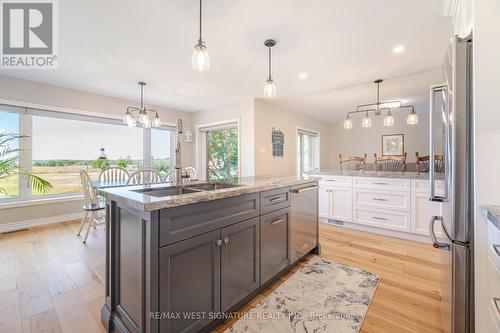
{"x": 324, "y": 201}
{"x": 240, "y": 261}
{"x": 422, "y": 209}
{"x": 275, "y": 243}
{"x": 335, "y": 202}
{"x": 189, "y": 281}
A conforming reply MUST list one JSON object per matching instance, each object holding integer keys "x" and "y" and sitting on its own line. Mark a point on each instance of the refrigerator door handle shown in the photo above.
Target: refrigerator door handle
{"x": 432, "y": 156}
{"x": 437, "y": 244}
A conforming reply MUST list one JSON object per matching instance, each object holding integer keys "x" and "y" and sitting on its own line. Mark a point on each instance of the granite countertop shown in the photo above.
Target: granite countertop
{"x": 144, "y": 202}
{"x": 492, "y": 213}
{"x": 390, "y": 174}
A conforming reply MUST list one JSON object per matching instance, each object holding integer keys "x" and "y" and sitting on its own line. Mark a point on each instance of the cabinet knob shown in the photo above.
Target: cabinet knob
{"x": 219, "y": 242}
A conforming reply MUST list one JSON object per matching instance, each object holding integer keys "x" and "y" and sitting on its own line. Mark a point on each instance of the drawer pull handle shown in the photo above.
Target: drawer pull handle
{"x": 226, "y": 240}
{"x": 303, "y": 189}
{"x": 496, "y": 247}
{"x": 379, "y": 218}
{"x": 379, "y": 183}
{"x": 330, "y": 180}
{"x": 379, "y": 199}
{"x": 277, "y": 199}
{"x": 277, "y": 221}
{"x": 496, "y": 300}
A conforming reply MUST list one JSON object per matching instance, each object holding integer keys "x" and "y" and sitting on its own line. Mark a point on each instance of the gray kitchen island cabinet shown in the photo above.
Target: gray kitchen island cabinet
{"x": 180, "y": 267}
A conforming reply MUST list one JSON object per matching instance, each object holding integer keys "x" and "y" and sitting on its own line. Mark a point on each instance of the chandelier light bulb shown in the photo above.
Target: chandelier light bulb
{"x": 412, "y": 118}
{"x": 389, "y": 119}
{"x": 366, "y": 122}
{"x": 348, "y": 123}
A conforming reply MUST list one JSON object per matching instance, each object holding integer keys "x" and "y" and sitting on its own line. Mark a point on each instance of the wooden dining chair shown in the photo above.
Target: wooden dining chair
{"x": 92, "y": 205}
{"x": 144, "y": 177}
{"x": 423, "y": 163}
{"x": 352, "y": 163}
{"x": 390, "y": 163}
{"x": 113, "y": 174}
{"x": 191, "y": 173}
{"x": 169, "y": 178}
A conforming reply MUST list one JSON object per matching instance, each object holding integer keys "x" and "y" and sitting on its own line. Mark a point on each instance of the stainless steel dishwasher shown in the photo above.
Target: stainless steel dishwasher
{"x": 304, "y": 219}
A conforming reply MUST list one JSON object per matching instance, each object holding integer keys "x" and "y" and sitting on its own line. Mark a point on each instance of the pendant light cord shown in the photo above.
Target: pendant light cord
{"x": 269, "y": 78}
{"x": 142, "y": 97}
{"x": 199, "y": 39}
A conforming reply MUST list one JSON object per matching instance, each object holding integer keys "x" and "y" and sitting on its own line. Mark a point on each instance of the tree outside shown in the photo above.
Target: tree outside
{"x": 222, "y": 154}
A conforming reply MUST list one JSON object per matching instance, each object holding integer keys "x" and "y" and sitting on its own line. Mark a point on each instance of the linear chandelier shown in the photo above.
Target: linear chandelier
{"x": 139, "y": 116}
{"x": 378, "y": 107}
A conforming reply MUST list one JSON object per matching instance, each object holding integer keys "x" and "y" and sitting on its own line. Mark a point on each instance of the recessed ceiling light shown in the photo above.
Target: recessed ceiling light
{"x": 398, "y": 49}
{"x": 303, "y": 76}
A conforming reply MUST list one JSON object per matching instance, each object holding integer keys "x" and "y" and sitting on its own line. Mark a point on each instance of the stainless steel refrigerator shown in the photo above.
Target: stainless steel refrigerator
{"x": 451, "y": 135}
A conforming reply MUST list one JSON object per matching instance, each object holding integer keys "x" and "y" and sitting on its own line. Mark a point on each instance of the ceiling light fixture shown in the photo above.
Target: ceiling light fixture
{"x": 398, "y": 49}
{"x": 269, "y": 86}
{"x": 142, "y": 117}
{"x": 200, "y": 59}
{"x": 303, "y": 76}
{"x": 380, "y": 106}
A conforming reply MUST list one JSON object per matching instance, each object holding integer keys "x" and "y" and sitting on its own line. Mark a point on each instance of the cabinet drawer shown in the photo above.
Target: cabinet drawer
{"x": 382, "y": 199}
{"x": 182, "y": 222}
{"x": 275, "y": 243}
{"x": 274, "y": 199}
{"x": 384, "y": 183}
{"x": 395, "y": 220}
{"x": 423, "y": 186}
{"x": 336, "y": 180}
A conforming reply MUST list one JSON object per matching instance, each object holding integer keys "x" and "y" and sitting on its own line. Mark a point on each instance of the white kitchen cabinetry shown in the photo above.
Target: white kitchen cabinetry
{"x": 422, "y": 209}
{"x": 324, "y": 201}
{"x": 335, "y": 198}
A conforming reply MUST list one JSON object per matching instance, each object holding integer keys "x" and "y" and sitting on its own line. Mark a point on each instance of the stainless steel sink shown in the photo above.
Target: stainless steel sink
{"x": 167, "y": 191}
{"x": 187, "y": 189}
{"x": 211, "y": 186}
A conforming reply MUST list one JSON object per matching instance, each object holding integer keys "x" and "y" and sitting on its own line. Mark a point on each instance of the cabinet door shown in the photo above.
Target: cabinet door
{"x": 421, "y": 211}
{"x": 275, "y": 243}
{"x": 189, "y": 281}
{"x": 240, "y": 261}
{"x": 341, "y": 204}
{"x": 324, "y": 201}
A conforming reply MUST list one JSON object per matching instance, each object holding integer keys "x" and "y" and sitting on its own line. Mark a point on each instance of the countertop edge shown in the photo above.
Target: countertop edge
{"x": 492, "y": 213}
{"x": 382, "y": 174}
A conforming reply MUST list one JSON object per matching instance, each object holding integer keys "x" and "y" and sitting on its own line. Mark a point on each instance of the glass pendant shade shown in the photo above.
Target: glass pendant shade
{"x": 200, "y": 60}
{"x": 348, "y": 123}
{"x": 129, "y": 120}
{"x": 145, "y": 121}
{"x": 269, "y": 88}
{"x": 412, "y": 118}
{"x": 389, "y": 120}
{"x": 366, "y": 122}
{"x": 156, "y": 122}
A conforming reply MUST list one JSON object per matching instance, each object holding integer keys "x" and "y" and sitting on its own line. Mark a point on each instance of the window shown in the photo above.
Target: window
{"x": 307, "y": 151}
{"x": 57, "y": 145}
{"x": 9, "y": 181}
{"x": 222, "y": 153}
{"x": 161, "y": 150}
{"x": 62, "y": 147}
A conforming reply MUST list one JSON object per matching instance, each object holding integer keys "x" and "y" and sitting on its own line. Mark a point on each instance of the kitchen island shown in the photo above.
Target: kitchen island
{"x": 389, "y": 203}
{"x": 179, "y": 259}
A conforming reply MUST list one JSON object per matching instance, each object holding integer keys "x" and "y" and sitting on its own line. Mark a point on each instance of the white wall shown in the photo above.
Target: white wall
{"x": 268, "y": 116}
{"x": 33, "y": 94}
{"x": 487, "y": 135}
{"x": 244, "y": 112}
{"x": 358, "y": 140}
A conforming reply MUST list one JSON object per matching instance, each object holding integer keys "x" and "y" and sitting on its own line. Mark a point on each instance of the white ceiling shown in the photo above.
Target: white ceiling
{"x": 107, "y": 46}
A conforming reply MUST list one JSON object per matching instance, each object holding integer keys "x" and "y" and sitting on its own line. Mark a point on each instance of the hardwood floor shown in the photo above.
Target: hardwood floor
{"x": 51, "y": 282}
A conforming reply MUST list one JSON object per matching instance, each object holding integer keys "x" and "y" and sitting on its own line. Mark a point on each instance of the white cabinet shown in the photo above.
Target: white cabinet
{"x": 324, "y": 201}
{"x": 341, "y": 203}
{"x": 422, "y": 209}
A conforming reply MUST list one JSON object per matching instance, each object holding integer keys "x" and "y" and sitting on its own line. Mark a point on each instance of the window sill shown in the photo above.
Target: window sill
{"x": 36, "y": 202}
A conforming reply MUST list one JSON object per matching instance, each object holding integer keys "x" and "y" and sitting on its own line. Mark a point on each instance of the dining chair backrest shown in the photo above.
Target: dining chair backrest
{"x": 423, "y": 163}
{"x": 169, "y": 178}
{"x": 144, "y": 177}
{"x": 390, "y": 163}
{"x": 89, "y": 193}
{"x": 191, "y": 172}
{"x": 352, "y": 163}
{"x": 113, "y": 174}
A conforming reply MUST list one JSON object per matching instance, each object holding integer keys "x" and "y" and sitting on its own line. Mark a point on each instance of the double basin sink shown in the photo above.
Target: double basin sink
{"x": 187, "y": 189}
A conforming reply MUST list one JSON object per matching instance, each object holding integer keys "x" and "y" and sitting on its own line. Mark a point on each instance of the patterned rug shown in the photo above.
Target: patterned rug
{"x": 323, "y": 296}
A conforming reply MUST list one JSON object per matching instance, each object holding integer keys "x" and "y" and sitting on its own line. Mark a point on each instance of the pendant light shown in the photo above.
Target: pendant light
{"x": 200, "y": 59}
{"x": 269, "y": 86}
{"x": 142, "y": 117}
{"x": 348, "y": 122}
{"x": 412, "y": 118}
{"x": 389, "y": 119}
{"x": 366, "y": 122}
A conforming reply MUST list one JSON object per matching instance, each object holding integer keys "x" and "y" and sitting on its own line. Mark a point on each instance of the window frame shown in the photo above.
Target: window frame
{"x": 26, "y": 114}
{"x": 314, "y": 151}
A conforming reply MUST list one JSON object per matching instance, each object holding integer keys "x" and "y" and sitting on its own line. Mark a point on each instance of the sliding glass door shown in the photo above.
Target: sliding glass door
{"x": 222, "y": 153}
{"x": 307, "y": 151}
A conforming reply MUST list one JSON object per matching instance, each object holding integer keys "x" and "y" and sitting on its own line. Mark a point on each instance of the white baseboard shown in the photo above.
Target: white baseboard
{"x": 12, "y": 226}
{"x": 379, "y": 231}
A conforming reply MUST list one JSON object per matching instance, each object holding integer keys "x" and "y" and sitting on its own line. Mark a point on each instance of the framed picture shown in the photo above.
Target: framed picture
{"x": 393, "y": 144}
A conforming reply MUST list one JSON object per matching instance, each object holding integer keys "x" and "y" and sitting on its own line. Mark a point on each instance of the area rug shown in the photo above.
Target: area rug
{"x": 323, "y": 296}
